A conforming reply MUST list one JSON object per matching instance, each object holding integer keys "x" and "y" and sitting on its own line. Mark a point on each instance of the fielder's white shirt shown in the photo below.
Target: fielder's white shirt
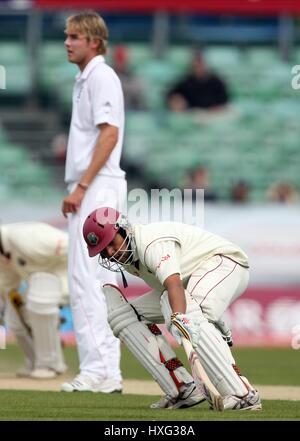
{"x": 167, "y": 248}
{"x": 33, "y": 247}
{"x": 97, "y": 99}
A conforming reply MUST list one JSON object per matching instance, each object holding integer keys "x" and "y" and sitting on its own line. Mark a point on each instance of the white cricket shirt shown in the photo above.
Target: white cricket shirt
{"x": 167, "y": 248}
{"x": 97, "y": 99}
{"x": 33, "y": 247}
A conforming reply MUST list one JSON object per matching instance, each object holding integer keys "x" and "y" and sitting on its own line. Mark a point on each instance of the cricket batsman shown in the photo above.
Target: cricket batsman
{"x": 35, "y": 253}
{"x": 195, "y": 275}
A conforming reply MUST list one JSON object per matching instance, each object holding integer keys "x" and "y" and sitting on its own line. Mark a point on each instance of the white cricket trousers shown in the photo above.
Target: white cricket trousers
{"x": 216, "y": 283}
{"x": 98, "y": 349}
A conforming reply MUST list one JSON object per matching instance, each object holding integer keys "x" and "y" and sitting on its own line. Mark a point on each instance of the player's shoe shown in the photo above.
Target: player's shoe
{"x": 43, "y": 374}
{"x": 188, "y": 396}
{"x": 48, "y": 373}
{"x": 24, "y": 372}
{"x": 250, "y": 402}
{"x": 83, "y": 383}
{"x": 109, "y": 386}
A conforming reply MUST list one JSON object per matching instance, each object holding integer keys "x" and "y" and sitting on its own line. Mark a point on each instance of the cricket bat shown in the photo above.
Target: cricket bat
{"x": 200, "y": 374}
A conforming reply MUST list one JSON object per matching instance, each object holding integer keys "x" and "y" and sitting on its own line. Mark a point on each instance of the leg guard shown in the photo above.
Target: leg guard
{"x": 43, "y": 297}
{"x": 222, "y": 327}
{"x": 16, "y": 321}
{"x": 211, "y": 349}
{"x": 2, "y": 309}
{"x": 47, "y": 344}
{"x": 145, "y": 342}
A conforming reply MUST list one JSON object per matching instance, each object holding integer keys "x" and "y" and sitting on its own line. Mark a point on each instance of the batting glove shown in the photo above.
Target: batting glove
{"x": 225, "y": 331}
{"x": 180, "y": 327}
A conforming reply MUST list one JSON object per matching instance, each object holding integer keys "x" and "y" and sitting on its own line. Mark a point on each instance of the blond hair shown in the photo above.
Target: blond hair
{"x": 92, "y": 26}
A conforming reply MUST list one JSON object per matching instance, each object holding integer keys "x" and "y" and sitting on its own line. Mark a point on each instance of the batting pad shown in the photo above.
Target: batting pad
{"x": 16, "y": 321}
{"x": 44, "y": 293}
{"x": 46, "y": 340}
{"x": 149, "y": 347}
{"x": 212, "y": 350}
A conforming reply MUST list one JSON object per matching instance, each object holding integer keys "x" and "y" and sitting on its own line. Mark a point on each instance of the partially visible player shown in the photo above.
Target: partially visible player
{"x": 195, "y": 275}
{"x": 35, "y": 253}
{"x": 93, "y": 176}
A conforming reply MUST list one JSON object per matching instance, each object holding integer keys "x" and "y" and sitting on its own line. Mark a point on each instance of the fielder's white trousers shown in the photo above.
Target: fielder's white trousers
{"x": 98, "y": 349}
{"x": 216, "y": 283}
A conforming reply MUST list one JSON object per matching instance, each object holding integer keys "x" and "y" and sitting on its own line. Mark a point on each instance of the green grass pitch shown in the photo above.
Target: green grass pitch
{"x": 55, "y": 406}
{"x": 262, "y": 366}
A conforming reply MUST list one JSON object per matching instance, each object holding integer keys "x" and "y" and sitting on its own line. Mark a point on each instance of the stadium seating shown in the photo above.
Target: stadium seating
{"x": 257, "y": 142}
{"x": 251, "y": 73}
{"x": 15, "y": 58}
{"x": 20, "y": 176}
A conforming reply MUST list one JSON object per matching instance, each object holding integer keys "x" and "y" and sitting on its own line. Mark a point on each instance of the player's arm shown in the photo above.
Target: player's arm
{"x": 105, "y": 103}
{"x": 9, "y": 281}
{"x": 176, "y": 293}
{"x": 105, "y": 144}
{"x": 163, "y": 259}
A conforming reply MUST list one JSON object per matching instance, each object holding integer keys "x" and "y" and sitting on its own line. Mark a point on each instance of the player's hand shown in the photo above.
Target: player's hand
{"x": 72, "y": 202}
{"x": 225, "y": 331}
{"x": 16, "y": 298}
{"x": 181, "y": 326}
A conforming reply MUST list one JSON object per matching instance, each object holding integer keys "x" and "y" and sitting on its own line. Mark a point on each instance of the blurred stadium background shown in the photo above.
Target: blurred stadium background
{"x": 253, "y": 45}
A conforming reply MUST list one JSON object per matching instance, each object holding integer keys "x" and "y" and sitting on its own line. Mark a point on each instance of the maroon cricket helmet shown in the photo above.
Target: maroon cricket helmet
{"x": 100, "y": 228}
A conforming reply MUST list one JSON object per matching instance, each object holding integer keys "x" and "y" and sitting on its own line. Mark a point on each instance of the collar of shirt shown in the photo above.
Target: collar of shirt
{"x": 81, "y": 76}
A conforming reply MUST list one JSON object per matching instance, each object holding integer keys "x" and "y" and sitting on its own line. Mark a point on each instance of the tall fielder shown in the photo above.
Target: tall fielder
{"x": 35, "y": 253}
{"x": 94, "y": 177}
{"x": 195, "y": 276}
